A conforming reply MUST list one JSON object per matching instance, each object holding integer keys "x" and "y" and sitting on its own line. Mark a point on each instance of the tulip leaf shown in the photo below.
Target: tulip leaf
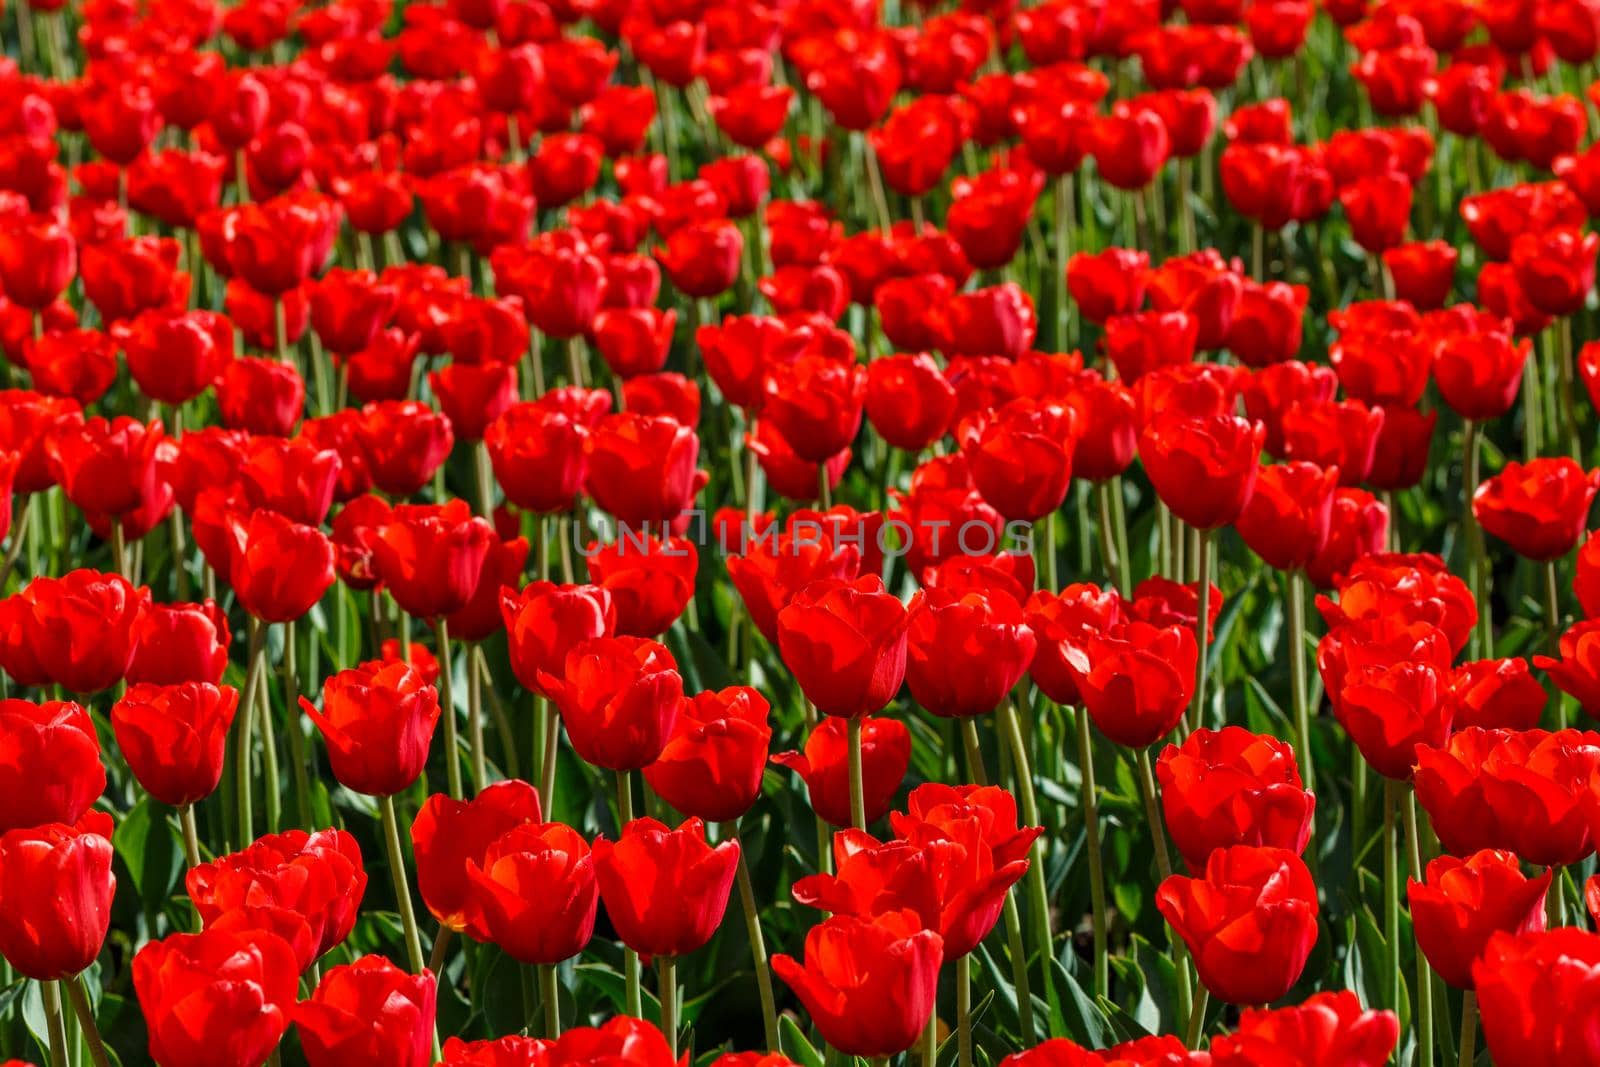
{"x": 795, "y": 1044}
{"x": 149, "y": 844}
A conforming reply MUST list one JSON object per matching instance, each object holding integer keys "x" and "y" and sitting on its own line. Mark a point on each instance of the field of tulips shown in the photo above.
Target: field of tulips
{"x": 837, "y": 533}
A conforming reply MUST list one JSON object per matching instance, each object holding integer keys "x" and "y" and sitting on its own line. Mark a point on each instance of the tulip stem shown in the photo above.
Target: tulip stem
{"x": 1047, "y": 551}
{"x": 1391, "y": 890}
{"x": 1089, "y": 802}
{"x": 1202, "y": 634}
{"x": 1424, "y": 1016}
{"x": 85, "y": 1013}
{"x": 441, "y": 948}
{"x": 119, "y": 547}
{"x": 1065, "y": 204}
{"x": 1297, "y": 678}
{"x": 1569, "y": 424}
{"x": 551, "y": 724}
{"x": 402, "y": 889}
{"x": 1469, "y": 1028}
{"x": 55, "y": 1023}
{"x": 758, "y": 950}
{"x": 1038, "y": 892}
{"x": 667, "y": 991}
{"x": 452, "y": 755}
{"x": 1019, "y": 966}
{"x": 630, "y": 957}
{"x": 964, "y": 1008}
{"x": 930, "y": 1041}
{"x": 1197, "y": 1018}
{"x": 191, "y": 835}
{"x": 1158, "y": 839}
{"x": 1116, "y": 568}
{"x": 297, "y": 744}
{"x": 247, "y": 700}
{"x": 858, "y": 800}
{"x": 1477, "y": 572}
{"x": 969, "y": 739}
{"x": 824, "y": 490}
{"x": 480, "y": 766}
{"x": 550, "y": 994}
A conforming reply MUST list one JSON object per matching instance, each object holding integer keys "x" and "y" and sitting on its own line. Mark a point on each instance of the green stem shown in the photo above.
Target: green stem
{"x": 56, "y": 1024}
{"x": 1202, "y": 635}
{"x": 480, "y": 766}
{"x": 452, "y": 755}
{"x": 1089, "y": 801}
{"x": 1019, "y": 967}
{"x": 964, "y": 1008}
{"x": 297, "y": 745}
{"x": 758, "y": 951}
{"x": 1391, "y": 890}
{"x": 1569, "y": 420}
{"x": 1064, "y": 214}
{"x": 1047, "y": 552}
{"x": 630, "y": 957}
{"x": 1038, "y": 892}
{"x": 858, "y": 802}
{"x": 1477, "y": 569}
{"x": 402, "y": 889}
{"x": 1158, "y": 839}
{"x": 969, "y": 740}
{"x": 552, "y": 740}
{"x": 550, "y": 993}
{"x": 86, "y": 1024}
{"x": 667, "y": 992}
{"x": 1116, "y": 563}
{"x": 1297, "y": 677}
{"x": 1197, "y": 1018}
{"x": 1424, "y": 1015}
{"x": 247, "y": 697}
{"x": 1469, "y": 1029}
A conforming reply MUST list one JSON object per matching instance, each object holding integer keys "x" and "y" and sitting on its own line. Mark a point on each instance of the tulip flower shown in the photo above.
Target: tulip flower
{"x": 1326, "y": 1028}
{"x": 1136, "y": 680}
{"x": 1219, "y": 453}
{"x": 846, "y": 644}
{"x": 711, "y": 766}
{"x": 1249, "y": 921}
{"x": 965, "y": 653}
{"x": 1232, "y": 787}
{"x": 237, "y": 992}
{"x": 448, "y": 835}
{"x": 534, "y": 893}
{"x": 367, "y": 1013}
{"x": 1518, "y": 976}
{"x": 1539, "y": 508}
{"x": 618, "y": 698}
{"x": 378, "y": 721}
{"x": 1497, "y": 694}
{"x": 50, "y": 769}
{"x": 641, "y": 468}
{"x": 650, "y": 583}
{"x": 1461, "y": 904}
{"x": 869, "y": 984}
{"x": 823, "y": 766}
{"x": 55, "y": 896}
{"x": 1577, "y": 671}
{"x": 174, "y": 737}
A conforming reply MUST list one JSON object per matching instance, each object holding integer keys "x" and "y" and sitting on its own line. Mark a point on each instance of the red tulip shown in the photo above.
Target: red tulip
{"x": 1540, "y": 508}
{"x": 650, "y": 581}
{"x": 641, "y": 468}
{"x": 174, "y": 737}
{"x": 885, "y": 755}
{"x": 1462, "y": 903}
{"x": 868, "y": 984}
{"x": 665, "y": 890}
{"x": 263, "y": 396}
{"x": 1136, "y": 680}
{"x": 1518, "y": 978}
{"x": 1287, "y": 517}
{"x": 1555, "y": 269}
{"x": 215, "y": 999}
{"x": 816, "y": 404}
{"x": 55, "y": 896}
{"x": 449, "y": 835}
{"x": 278, "y": 568}
{"x": 367, "y": 1013}
{"x": 711, "y": 766}
{"x": 1232, "y": 787}
{"x": 845, "y": 642}
{"x": 79, "y": 631}
{"x": 965, "y": 652}
{"x": 429, "y": 556}
{"x": 703, "y": 258}
{"x": 404, "y": 442}
{"x": 1249, "y": 922}
{"x": 37, "y": 261}
{"x": 1327, "y": 1028}
{"x": 50, "y": 769}
{"x": 618, "y": 698}
{"x": 544, "y": 622}
{"x": 1020, "y": 457}
{"x": 1130, "y": 148}
{"x": 534, "y": 893}
{"x": 1204, "y": 469}
{"x": 378, "y": 721}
